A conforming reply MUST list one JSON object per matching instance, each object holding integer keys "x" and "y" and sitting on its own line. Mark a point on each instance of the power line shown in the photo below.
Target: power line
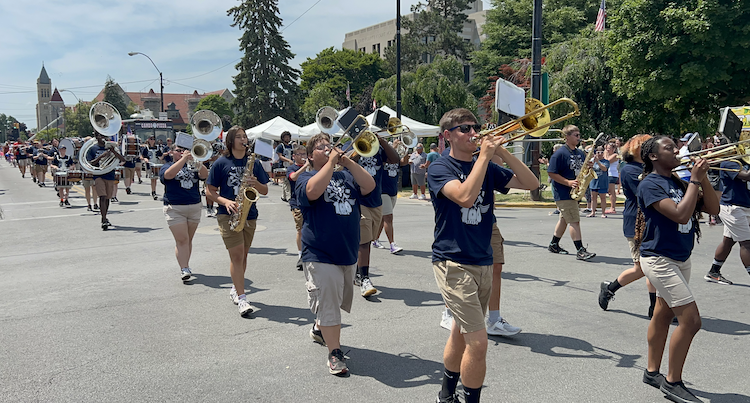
{"x": 301, "y": 15}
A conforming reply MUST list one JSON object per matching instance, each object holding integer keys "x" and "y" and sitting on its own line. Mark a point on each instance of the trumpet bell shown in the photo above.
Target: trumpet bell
{"x": 394, "y": 126}
{"x": 366, "y": 144}
{"x": 325, "y": 118}
{"x": 206, "y": 125}
{"x": 535, "y": 120}
{"x": 105, "y": 119}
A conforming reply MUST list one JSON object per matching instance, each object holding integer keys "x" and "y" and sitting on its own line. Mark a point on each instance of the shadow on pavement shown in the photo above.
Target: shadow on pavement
{"x": 410, "y": 297}
{"x": 222, "y": 282}
{"x": 522, "y": 244}
{"x": 271, "y": 251}
{"x": 411, "y": 372}
{"x": 427, "y": 254}
{"x": 721, "y": 397}
{"x": 566, "y": 347}
{"x": 710, "y": 324}
{"x": 133, "y": 229}
{"x": 523, "y": 277}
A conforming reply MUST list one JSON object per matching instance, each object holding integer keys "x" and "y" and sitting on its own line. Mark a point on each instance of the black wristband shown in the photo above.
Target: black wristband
{"x": 696, "y": 183}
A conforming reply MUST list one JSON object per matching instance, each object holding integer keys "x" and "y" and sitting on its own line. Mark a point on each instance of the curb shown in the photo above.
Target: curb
{"x": 540, "y": 204}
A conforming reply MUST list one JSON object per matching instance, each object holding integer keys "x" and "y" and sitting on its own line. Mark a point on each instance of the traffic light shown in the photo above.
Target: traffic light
{"x": 15, "y": 125}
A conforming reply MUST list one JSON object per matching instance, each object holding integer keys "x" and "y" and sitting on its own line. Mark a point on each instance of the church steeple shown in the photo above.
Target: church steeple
{"x": 43, "y": 77}
{"x": 44, "y": 111}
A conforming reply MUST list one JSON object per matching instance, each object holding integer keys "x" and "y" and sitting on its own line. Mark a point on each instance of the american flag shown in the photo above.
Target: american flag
{"x": 348, "y": 98}
{"x": 601, "y": 17}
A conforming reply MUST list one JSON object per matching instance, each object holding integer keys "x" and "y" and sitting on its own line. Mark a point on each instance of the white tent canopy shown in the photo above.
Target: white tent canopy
{"x": 419, "y": 128}
{"x": 273, "y": 128}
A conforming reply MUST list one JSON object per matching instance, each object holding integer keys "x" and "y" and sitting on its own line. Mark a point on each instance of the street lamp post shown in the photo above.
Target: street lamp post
{"x": 66, "y": 90}
{"x": 161, "y": 79}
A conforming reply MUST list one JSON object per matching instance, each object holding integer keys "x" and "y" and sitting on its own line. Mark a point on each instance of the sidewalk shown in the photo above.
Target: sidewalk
{"x": 546, "y": 204}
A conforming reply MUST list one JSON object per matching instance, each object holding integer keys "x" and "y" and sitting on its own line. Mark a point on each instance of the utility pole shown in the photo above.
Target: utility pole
{"x": 536, "y": 84}
{"x": 398, "y": 59}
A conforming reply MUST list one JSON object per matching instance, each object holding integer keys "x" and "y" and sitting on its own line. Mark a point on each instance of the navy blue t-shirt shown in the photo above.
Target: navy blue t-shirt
{"x": 374, "y": 166}
{"x": 293, "y": 203}
{"x": 92, "y": 154}
{"x": 736, "y": 191}
{"x": 63, "y": 163}
{"x": 390, "y": 179}
{"x": 152, "y": 154}
{"x": 330, "y": 229}
{"x": 629, "y": 174}
{"x": 226, "y": 174}
{"x": 662, "y": 236}
{"x": 23, "y": 153}
{"x": 463, "y": 234}
{"x": 182, "y": 189}
{"x": 566, "y": 163}
{"x": 286, "y": 151}
{"x": 40, "y": 157}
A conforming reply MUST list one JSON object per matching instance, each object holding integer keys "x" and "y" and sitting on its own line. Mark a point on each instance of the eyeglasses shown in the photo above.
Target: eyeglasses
{"x": 466, "y": 128}
{"x": 321, "y": 147}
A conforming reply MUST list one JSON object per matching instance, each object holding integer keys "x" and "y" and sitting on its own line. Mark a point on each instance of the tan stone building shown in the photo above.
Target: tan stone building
{"x": 49, "y": 104}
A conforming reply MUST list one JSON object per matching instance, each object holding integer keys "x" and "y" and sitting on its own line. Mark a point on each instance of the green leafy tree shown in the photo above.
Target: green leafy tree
{"x": 428, "y": 92}
{"x": 335, "y": 68}
{"x": 266, "y": 84}
{"x": 77, "y": 123}
{"x": 112, "y": 95}
{"x": 318, "y": 97}
{"x": 216, "y": 104}
{"x": 47, "y": 135}
{"x": 677, "y": 62}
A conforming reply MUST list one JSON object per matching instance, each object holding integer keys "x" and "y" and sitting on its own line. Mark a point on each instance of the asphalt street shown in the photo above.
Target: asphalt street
{"x": 88, "y": 315}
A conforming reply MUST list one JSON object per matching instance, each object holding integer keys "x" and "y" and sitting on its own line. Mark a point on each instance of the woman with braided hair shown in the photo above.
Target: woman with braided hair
{"x": 666, "y": 228}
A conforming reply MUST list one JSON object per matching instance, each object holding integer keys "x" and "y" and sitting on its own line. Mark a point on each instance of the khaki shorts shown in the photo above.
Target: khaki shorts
{"x": 466, "y": 291}
{"x": 87, "y": 183}
{"x": 104, "y": 187}
{"x": 498, "y": 255}
{"x": 569, "y": 210}
{"x": 369, "y": 223}
{"x": 389, "y": 202}
{"x": 297, "y": 214}
{"x": 128, "y": 173}
{"x": 635, "y": 252}
{"x": 736, "y": 221}
{"x": 330, "y": 288}
{"x": 670, "y": 278}
{"x": 182, "y": 214}
{"x": 40, "y": 168}
{"x": 24, "y": 162}
{"x": 231, "y": 238}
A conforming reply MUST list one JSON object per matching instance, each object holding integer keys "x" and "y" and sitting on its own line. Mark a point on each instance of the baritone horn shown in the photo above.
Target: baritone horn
{"x": 206, "y": 125}
{"x": 325, "y": 118}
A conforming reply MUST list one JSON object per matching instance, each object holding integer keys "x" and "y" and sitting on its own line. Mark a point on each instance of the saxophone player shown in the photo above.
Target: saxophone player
{"x": 564, "y": 167}
{"x": 224, "y": 183}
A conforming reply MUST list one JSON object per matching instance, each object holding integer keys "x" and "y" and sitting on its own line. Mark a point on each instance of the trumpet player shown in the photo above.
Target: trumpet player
{"x": 225, "y": 180}
{"x": 564, "y": 167}
{"x": 105, "y": 184}
{"x": 182, "y": 203}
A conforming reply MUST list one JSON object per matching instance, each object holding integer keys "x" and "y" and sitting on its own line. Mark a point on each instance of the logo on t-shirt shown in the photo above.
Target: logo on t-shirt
{"x": 473, "y": 214}
{"x": 575, "y": 163}
{"x": 370, "y": 165}
{"x": 392, "y": 169}
{"x": 186, "y": 178}
{"x": 676, "y": 196}
{"x": 235, "y": 178}
{"x": 340, "y": 196}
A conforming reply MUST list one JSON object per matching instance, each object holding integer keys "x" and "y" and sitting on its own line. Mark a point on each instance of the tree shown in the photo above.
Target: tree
{"x": 266, "y": 85}
{"x": 430, "y": 91}
{"x": 77, "y": 123}
{"x": 337, "y": 68}
{"x": 318, "y": 97}
{"x": 112, "y": 95}
{"x": 517, "y": 73}
{"x": 677, "y": 62}
{"x": 216, "y": 104}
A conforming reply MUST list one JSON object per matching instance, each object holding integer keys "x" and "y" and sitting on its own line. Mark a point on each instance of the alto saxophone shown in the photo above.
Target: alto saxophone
{"x": 587, "y": 174}
{"x": 245, "y": 198}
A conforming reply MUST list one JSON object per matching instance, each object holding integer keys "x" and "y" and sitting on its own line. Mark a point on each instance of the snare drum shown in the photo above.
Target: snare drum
{"x": 88, "y": 176}
{"x": 75, "y": 175}
{"x": 61, "y": 179}
{"x": 155, "y": 168}
{"x": 118, "y": 174}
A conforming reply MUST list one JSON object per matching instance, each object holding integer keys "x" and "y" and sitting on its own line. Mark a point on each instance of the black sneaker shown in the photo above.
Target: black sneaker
{"x": 653, "y": 380}
{"x": 299, "y": 264}
{"x": 317, "y": 336}
{"x": 140, "y": 181}
{"x": 62, "y": 203}
{"x": 89, "y": 208}
{"x": 33, "y": 178}
{"x": 114, "y": 200}
{"x": 284, "y": 199}
{"x": 605, "y": 295}
{"x": 717, "y": 278}
{"x": 450, "y": 399}
{"x": 96, "y": 207}
{"x": 555, "y": 248}
{"x": 337, "y": 363}
{"x": 105, "y": 225}
{"x": 127, "y": 190}
{"x": 153, "y": 194}
{"x": 67, "y": 204}
{"x": 677, "y": 392}
{"x": 584, "y": 255}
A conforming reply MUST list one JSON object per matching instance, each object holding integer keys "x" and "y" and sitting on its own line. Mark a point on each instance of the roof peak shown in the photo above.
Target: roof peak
{"x": 43, "y": 77}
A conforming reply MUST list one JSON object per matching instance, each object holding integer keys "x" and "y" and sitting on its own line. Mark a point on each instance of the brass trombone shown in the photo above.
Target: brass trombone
{"x": 534, "y": 123}
{"x": 366, "y": 143}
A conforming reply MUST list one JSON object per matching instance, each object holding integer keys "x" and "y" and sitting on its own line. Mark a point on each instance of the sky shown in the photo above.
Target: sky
{"x": 82, "y": 42}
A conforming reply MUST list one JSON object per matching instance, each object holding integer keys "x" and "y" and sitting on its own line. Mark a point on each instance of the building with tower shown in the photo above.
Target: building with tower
{"x": 49, "y": 104}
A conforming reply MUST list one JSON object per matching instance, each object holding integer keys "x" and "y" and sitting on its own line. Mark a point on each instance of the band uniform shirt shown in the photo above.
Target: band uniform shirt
{"x": 736, "y": 191}
{"x": 293, "y": 203}
{"x": 662, "y": 236}
{"x": 94, "y": 152}
{"x": 390, "y": 179}
{"x": 566, "y": 163}
{"x": 163, "y": 153}
{"x": 63, "y": 163}
{"x": 374, "y": 166}
{"x": 286, "y": 151}
{"x": 602, "y": 180}
{"x": 462, "y": 234}
{"x": 226, "y": 174}
{"x": 182, "y": 189}
{"x": 22, "y": 153}
{"x": 129, "y": 163}
{"x": 40, "y": 157}
{"x": 330, "y": 229}
{"x": 629, "y": 179}
{"x": 150, "y": 154}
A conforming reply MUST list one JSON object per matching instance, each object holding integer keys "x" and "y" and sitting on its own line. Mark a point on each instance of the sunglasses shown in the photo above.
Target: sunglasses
{"x": 466, "y": 128}
{"x": 322, "y": 147}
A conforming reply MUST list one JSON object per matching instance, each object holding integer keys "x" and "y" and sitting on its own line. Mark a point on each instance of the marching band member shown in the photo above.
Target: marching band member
{"x": 88, "y": 186}
{"x": 301, "y": 164}
{"x": 150, "y": 154}
{"x": 666, "y": 228}
{"x": 329, "y": 200}
{"x": 462, "y": 193}
{"x": 63, "y": 162}
{"x": 182, "y": 204}
{"x": 389, "y": 197}
{"x": 128, "y": 172}
{"x": 104, "y": 183}
{"x": 22, "y": 156}
{"x": 223, "y": 185}
{"x": 284, "y": 153}
{"x": 40, "y": 167}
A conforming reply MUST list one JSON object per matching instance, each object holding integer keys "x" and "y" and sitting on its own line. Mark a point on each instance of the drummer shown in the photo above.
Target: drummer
{"x": 150, "y": 154}
{"x": 129, "y": 167}
{"x": 62, "y": 162}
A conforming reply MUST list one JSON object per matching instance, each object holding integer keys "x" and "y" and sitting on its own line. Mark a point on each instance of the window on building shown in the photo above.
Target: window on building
{"x": 376, "y": 48}
{"x": 363, "y": 50}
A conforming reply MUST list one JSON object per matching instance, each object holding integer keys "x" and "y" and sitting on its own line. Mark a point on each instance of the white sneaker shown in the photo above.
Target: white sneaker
{"x": 502, "y": 328}
{"x": 376, "y": 244}
{"x": 421, "y": 197}
{"x": 413, "y": 196}
{"x": 447, "y": 321}
{"x": 367, "y": 288}
{"x": 185, "y": 274}
{"x": 395, "y": 248}
{"x": 233, "y": 295}
{"x": 244, "y": 307}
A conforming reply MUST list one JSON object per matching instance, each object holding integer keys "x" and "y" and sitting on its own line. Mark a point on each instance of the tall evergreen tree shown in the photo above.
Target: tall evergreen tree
{"x": 266, "y": 85}
{"x": 112, "y": 95}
